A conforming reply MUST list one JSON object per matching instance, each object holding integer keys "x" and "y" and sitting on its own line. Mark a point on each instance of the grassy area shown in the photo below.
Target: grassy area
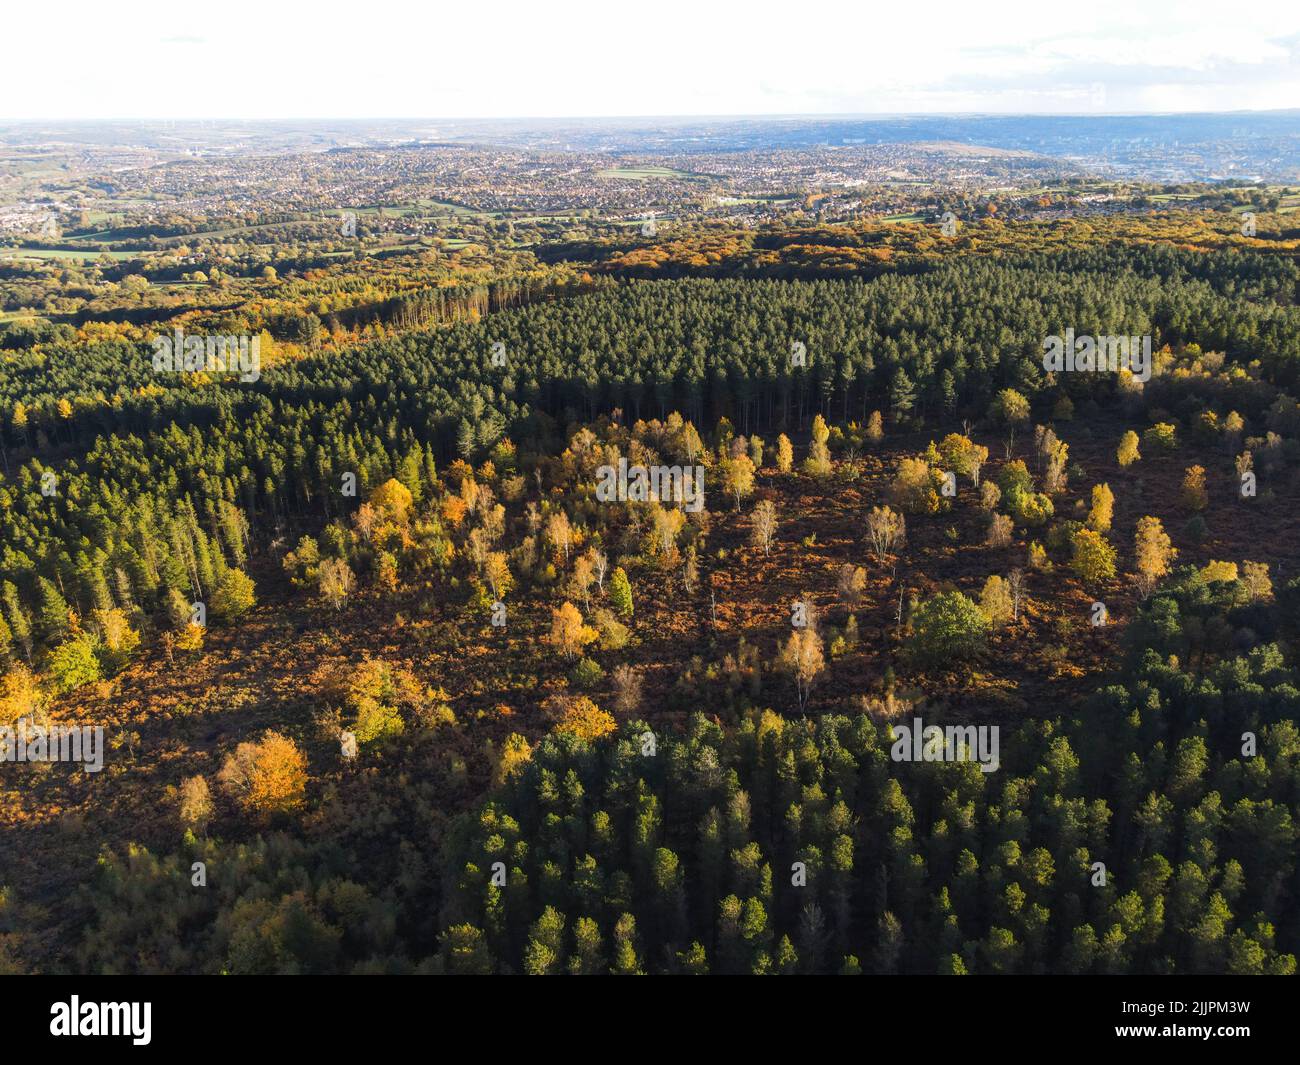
{"x": 64, "y": 253}
{"x": 396, "y": 211}
{"x": 642, "y": 173}
{"x": 451, "y": 208}
{"x": 536, "y": 218}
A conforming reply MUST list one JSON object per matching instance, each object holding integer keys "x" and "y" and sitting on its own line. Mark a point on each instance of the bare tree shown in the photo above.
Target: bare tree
{"x": 690, "y": 570}
{"x": 627, "y": 689}
{"x": 802, "y": 658}
{"x": 560, "y": 533}
{"x": 1016, "y": 581}
{"x": 764, "y": 519}
{"x": 886, "y": 529}
{"x": 600, "y": 564}
{"x": 1000, "y": 529}
{"x": 336, "y": 582}
{"x": 1045, "y": 442}
{"x": 477, "y": 546}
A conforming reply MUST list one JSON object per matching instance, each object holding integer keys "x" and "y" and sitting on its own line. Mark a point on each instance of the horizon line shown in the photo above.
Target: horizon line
{"x": 710, "y": 117}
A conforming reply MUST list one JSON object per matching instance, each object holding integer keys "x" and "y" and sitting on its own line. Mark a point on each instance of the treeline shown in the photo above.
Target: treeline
{"x": 869, "y": 248}
{"x": 442, "y": 305}
{"x": 944, "y": 340}
{"x": 939, "y": 343}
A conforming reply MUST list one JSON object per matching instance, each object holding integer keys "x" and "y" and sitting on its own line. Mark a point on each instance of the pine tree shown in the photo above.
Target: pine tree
{"x": 626, "y": 962}
{"x": 53, "y": 612}
{"x": 20, "y": 624}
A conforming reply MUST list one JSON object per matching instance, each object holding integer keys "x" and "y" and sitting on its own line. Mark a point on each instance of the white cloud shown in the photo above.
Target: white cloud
{"x": 385, "y": 58}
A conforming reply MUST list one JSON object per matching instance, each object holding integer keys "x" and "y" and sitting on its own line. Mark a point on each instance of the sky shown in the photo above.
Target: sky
{"x": 574, "y": 58}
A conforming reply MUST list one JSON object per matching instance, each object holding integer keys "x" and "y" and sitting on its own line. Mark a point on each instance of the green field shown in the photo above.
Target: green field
{"x": 63, "y": 253}
{"x": 538, "y": 218}
{"x": 643, "y": 173}
{"x": 451, "y": 208}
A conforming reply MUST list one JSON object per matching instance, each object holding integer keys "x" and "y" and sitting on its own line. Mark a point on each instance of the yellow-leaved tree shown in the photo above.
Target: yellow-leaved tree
{"x": 1154, "y": 552}
{"x": 1103, "y": 508}
{"x": 393, "y": 500}
{"x": 568, "y": 633}
{"x": 586, "y": 720}
{"x": 267, "y": 777}
{"x": 1128, "y": 452}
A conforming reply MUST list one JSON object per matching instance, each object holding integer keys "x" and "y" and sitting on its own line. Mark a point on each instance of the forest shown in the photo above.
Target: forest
{"x": 389, "y": 688}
